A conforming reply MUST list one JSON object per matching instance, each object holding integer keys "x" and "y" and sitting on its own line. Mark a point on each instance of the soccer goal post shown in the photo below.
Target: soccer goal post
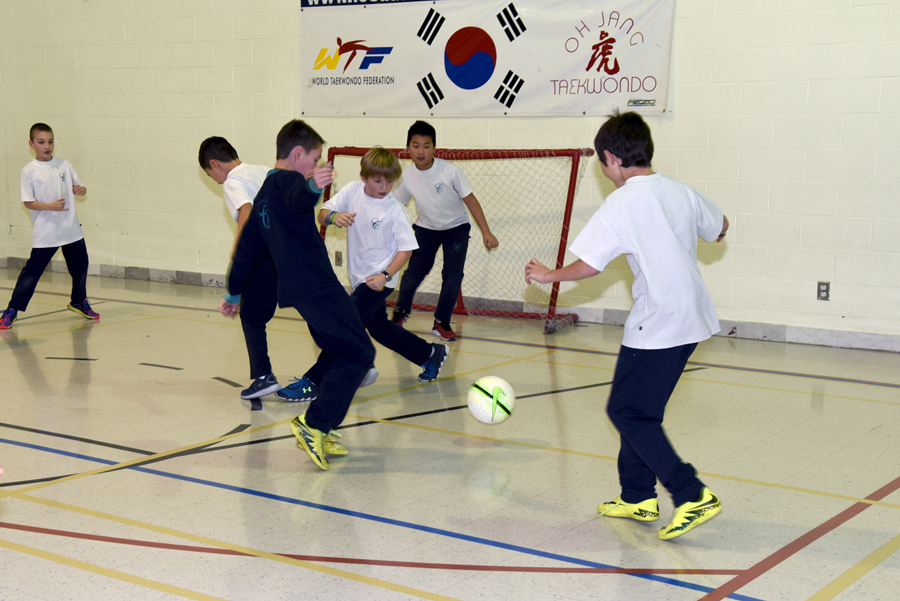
{"x": 527, "y": 197}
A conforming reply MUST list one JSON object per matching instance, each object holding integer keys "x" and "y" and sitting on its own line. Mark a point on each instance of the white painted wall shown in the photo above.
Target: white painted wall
{"x": 785, "y": 112}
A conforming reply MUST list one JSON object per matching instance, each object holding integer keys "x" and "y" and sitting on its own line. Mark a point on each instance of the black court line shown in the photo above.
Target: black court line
{"x": 71, "y": 358}
{"x": 226, "y": 381}
{"x": 162, "y": 366}
{"x": 109, "y": 445}
{"x": 215, "y": 447}
{"x": 100, "y": 300}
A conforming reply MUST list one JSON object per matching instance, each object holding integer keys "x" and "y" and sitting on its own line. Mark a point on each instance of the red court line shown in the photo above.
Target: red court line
{"x": 749, "y": 575}
{"x": 370, "y": 562}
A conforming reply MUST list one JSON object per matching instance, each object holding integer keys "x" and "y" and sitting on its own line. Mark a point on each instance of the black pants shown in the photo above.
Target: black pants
{"x": 373, "y": 314}
{"x": 76, "y": 256}
{"x": 258, "y": 303}
{"x": 336, "y": 328}
{"x": 455, "y": 243}
{"x": 643, "y": 382}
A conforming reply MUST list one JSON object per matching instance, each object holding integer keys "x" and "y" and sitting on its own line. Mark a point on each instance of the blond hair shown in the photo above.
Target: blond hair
{"x": 380, "y": 161}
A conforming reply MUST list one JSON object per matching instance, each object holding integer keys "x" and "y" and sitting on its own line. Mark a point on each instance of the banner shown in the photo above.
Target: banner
{"x": 465, "y": 58}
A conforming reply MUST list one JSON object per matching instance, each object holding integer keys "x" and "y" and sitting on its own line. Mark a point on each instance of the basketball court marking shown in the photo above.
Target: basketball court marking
{"x": 728, "y": 590}
{"x": 18, "y": 494}
{"x": 866, "y": 502}
{"x": 371, "y": 562}
{"x": 206, "y": 541}
{"x": 854, "y": 574}
{"x": 761, "y": 567}
{"x": 89, "y": 567}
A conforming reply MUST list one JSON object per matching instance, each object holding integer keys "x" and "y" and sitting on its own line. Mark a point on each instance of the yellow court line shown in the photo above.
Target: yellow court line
{"x": 609, "y": 458}
{"x": 131, "y": 579}
{"x": 487, "y": 438}
{"x": 233, "y": 547}
{"x": 803, "y": 392}
{"x": 851, "y": 576}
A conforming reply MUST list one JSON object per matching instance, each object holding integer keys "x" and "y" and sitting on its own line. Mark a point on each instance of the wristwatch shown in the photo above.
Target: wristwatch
{"x": 387, "y": 276}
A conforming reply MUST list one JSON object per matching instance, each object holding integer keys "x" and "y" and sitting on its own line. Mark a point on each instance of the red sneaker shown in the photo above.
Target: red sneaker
{"x": 399, "y": 317}
{"x": 444, "y": 333}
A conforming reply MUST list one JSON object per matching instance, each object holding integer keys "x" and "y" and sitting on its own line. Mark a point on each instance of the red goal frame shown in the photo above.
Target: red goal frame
{"x": 575, "y": 155}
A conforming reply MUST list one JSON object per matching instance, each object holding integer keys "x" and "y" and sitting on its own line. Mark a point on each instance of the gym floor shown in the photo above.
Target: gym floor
{"x": 134, "y": 470}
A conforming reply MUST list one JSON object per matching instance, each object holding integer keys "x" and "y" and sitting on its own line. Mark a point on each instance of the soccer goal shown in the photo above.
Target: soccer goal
{"x": 527, "y": 197}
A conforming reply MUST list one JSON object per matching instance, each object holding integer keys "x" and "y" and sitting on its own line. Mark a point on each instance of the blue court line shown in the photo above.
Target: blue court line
{"x": 380, "y": 519}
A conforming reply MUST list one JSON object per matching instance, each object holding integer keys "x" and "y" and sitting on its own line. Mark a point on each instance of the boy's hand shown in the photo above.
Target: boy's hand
{"x": 535, "y": 271}
{"x": 228, "y": 309}
{"x": 490, "y": 241}
{"x": 724, "y": 229}
{"x": 79, "y": 190}
{"x": 323, "y": 176}
{"x": 344, "y": 219}
{"x": 376, "y": 282}
{"x": 58, "y": 205}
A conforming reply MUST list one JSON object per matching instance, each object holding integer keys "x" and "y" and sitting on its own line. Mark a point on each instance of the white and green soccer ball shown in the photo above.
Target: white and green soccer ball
{"x": 491, "y": 399}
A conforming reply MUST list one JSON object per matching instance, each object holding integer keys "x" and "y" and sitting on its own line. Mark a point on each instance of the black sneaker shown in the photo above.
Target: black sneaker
{"x": 432, "y": 367}
{"x": 261, "y": 387}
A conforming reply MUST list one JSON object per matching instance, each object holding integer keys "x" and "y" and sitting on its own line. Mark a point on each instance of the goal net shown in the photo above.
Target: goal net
{"x": 527, "y": 198}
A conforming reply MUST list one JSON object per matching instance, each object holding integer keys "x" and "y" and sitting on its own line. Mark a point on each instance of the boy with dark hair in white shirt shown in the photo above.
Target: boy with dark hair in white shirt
{"x": 442, "y": 196}
{"x": 654, "y": 221}
{"x": 49, "y": 188}
{"x": 240, "y": 183}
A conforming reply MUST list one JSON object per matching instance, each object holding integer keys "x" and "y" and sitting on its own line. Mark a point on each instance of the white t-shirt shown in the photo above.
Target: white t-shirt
{"x": 241, "y": 185}
{"x": 654, "y": 221}
{"x": 48, "y": 181}
{"x": 380, "y": 230}
{"x": 438, "y": 191}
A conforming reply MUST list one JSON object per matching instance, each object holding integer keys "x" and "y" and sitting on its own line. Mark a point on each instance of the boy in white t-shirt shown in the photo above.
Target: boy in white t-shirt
{"x": 240, "y": 183}
{"x": 654, "y": 221}
{"x": 49, "y": 187}
{"x": 442, "y": 196}
{"x": 379, "y": 241}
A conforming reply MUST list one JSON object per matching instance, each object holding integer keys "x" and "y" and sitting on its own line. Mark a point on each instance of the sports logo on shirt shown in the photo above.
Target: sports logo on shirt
{"x": 439, "y": 187}
{"x": 62, "y": 176}
{"x": 376, "y": 223}
{"x": 262, "y": 207}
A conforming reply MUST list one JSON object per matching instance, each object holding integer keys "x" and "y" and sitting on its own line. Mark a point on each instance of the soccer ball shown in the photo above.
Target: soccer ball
{"x": 491, "y": 399}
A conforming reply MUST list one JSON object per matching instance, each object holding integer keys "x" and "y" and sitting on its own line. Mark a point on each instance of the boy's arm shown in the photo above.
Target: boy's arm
{"x": 329, "y": 217}
{"x": 242, "y": 215}
{"x": 379, "y": 280}
{"x": 724, "y": 228}
{"x": 490, "y": 241}
{"x": 56, "y": 205}
{"x": 77, "y": 187}
{"x": 535, "y": 271}
{"x": 32, "y": 204}
{"x": 246, "y": 252}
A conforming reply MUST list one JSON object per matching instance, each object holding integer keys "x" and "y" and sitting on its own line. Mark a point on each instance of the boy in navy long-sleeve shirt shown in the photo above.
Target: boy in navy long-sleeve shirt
{"x": 283, "y": 223}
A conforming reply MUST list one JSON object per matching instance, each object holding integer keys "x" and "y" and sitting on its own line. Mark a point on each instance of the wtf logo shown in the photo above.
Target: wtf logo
{"x": 372, "y": 56}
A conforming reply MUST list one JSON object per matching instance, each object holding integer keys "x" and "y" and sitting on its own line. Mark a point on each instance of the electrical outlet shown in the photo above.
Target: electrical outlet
{"x": 338, "y": 258}
{"x": 823, "y": 292}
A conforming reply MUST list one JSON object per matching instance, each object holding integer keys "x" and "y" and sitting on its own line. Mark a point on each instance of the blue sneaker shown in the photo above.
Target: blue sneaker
{"x": 302, "y": 389}
{"x": 7, "y": 319}
{"x": 432, "y": 367}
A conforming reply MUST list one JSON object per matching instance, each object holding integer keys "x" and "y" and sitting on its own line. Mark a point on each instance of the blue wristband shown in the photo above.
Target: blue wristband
{"x": 232, "y": 298}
